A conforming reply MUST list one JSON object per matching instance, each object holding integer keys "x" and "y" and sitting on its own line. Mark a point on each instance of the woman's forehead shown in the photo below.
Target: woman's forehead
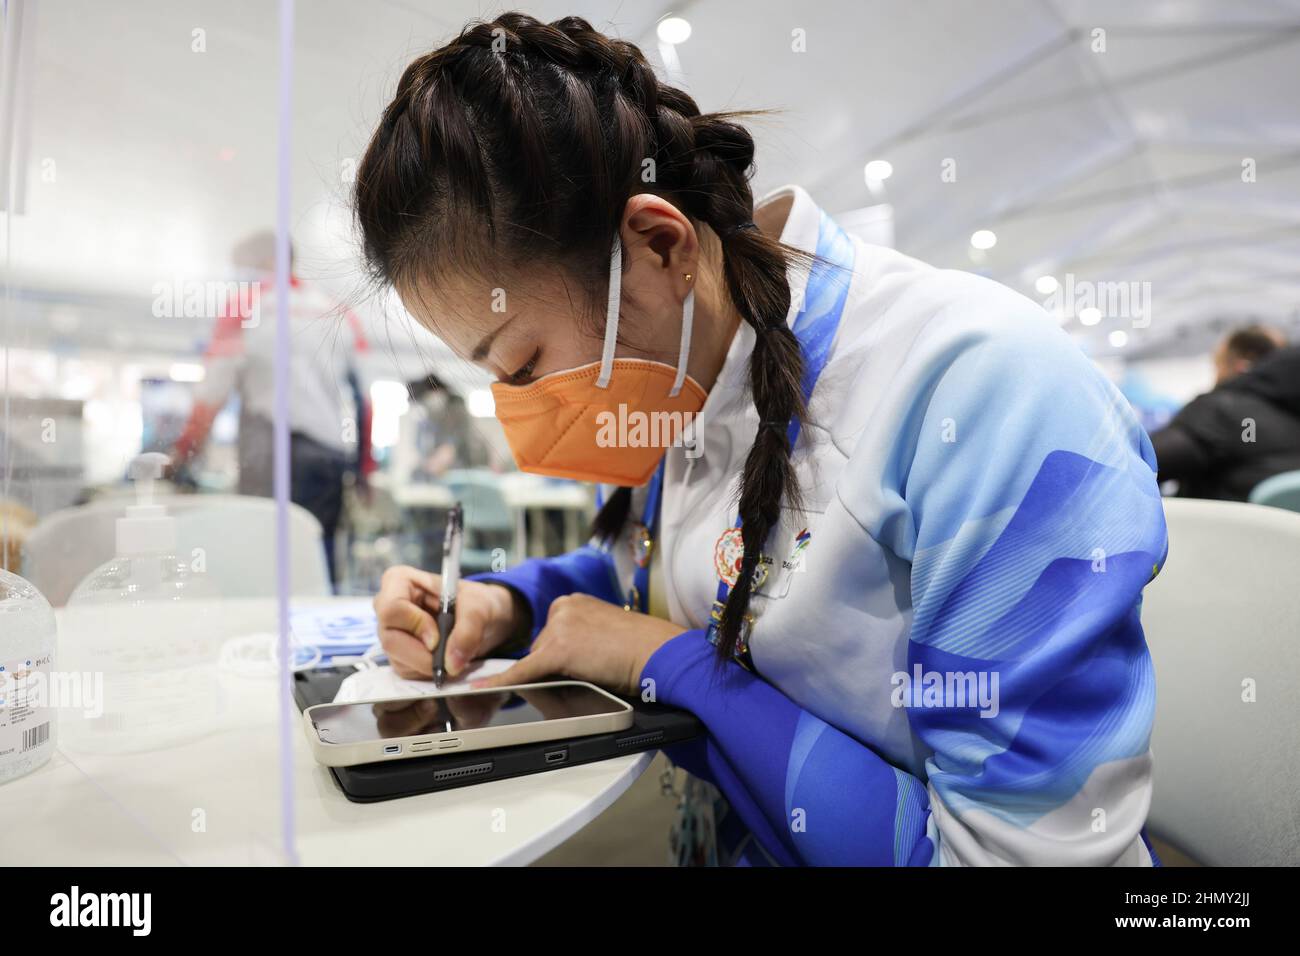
{"x": 462, "y": 322}
{"x": 471, "y": 316}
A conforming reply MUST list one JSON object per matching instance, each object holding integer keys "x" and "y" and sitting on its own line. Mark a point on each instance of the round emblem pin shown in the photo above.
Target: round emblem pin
{"x": 727, "y": 555}
{"x": 641, "y": 544}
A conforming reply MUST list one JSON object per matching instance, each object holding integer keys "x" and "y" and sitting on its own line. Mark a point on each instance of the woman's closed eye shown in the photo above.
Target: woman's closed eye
{"x": 525, "y": 372}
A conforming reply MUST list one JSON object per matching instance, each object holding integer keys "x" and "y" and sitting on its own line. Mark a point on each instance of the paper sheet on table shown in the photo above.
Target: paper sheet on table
{"x": 382, "y": 683}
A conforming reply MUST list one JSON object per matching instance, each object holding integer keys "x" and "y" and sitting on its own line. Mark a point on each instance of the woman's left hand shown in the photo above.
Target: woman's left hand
{"x": 588, "y": 639}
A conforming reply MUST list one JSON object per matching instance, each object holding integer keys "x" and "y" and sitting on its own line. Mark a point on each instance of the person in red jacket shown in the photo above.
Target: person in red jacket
{"x": 329, "y": 407}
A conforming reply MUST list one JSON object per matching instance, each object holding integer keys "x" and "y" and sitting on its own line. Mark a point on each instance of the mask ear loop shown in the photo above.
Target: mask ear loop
{"x": 611, "y": 313}
{"x": 611, "y": 324}
{"x": 683, "y": 353}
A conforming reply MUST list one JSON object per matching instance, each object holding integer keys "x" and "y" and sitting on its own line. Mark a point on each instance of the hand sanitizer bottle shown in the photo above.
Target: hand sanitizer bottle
{"x": 145, "y": 629}
{"x": 26, "y": 664}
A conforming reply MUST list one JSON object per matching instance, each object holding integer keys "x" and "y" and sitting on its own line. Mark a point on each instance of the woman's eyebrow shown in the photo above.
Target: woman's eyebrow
{"x": 481, "y": 350}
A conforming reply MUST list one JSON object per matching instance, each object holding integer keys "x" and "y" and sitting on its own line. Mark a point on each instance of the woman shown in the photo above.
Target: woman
{"x": 894, "y": 562}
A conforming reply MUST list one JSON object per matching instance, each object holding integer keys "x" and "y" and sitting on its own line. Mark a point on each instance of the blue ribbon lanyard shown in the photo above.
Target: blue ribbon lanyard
{"x": 815, "y": 327}
{"x": 643, "y": 542}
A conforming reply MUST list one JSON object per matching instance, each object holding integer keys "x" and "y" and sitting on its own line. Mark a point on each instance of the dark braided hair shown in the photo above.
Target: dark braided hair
{"x": 518, "y": 144}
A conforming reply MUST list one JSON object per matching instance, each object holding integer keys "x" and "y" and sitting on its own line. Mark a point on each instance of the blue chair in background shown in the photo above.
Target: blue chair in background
{"x": 1280, "y": 491}
{"x": 491, "y": 526}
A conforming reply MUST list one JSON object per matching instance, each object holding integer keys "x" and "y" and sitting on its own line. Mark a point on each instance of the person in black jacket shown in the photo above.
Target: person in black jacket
{"x": 1225, "y": 442}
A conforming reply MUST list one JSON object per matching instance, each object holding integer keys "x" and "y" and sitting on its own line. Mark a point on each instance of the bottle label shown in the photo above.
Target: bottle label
{"x": 25, "y": 712}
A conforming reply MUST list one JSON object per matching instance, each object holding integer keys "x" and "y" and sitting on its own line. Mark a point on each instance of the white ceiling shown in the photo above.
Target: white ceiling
{"x": 1123, "y": 165}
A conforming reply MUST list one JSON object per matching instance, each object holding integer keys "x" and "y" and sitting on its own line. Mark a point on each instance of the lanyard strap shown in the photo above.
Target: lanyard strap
{"x": 815, "y": 327}
{"x": 639, "y": 595}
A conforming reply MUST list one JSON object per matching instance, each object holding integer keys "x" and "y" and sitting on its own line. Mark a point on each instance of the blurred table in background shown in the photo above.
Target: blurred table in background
{"x": 523, "y": 494}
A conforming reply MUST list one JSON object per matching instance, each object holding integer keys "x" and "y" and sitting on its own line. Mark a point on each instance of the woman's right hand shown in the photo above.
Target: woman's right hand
{"x": 407, "y": 609}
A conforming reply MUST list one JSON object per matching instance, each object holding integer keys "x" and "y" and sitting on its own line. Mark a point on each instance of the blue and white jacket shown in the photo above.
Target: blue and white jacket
{"x": 950, "y": 666}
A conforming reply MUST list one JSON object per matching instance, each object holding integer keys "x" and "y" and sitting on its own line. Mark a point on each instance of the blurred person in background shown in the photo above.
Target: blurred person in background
{"x": 328, "y": 439}
{"x": 1240, "y": 350}
{"x": 1247, "y": 428}
{"x": 443, "y": 432}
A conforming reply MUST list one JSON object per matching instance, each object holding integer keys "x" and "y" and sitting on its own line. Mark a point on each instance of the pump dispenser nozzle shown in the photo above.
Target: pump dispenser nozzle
{"x": 143, "y": 470}
{"x": 147, "y": 528}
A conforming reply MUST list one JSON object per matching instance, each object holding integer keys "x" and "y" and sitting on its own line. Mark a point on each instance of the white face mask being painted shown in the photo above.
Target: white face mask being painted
{"x": 608, "y": 421}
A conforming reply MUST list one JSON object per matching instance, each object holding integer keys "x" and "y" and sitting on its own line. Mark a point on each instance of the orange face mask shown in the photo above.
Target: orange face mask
{"x": 608, "y": 421}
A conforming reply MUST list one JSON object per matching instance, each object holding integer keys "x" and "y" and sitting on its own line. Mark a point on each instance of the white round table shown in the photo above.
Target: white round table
{"x": 217, "y": 800}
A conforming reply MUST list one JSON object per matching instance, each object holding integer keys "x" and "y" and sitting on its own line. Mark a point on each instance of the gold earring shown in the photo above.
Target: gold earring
{"x": 687, "y": 276}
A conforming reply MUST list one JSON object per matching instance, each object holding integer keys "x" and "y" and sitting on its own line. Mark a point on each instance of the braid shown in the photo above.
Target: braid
{"x": 530, "y": 137}
{"x": 755, "y": 270}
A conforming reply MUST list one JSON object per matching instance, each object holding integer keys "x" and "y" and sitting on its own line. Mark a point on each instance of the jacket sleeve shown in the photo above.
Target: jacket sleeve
{"x": 808, "y": 792}
{"x": 1187, "y": 448}
{"x": 1032, "y": 520}
{"x": 1179, "y": 456}
{"x": 539, "y": 581}
{"x": 224, "y": 361}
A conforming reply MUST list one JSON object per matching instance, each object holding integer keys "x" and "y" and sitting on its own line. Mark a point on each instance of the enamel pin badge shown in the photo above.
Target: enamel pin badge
{"x": 729, "y": 553}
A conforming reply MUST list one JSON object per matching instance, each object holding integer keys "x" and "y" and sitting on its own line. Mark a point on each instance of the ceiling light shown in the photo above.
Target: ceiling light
{"x": 983, "y": 239}
{"x": 674, "y": 30}
{"x": 878, "y": 170}
{"x": 1090, "y": 315}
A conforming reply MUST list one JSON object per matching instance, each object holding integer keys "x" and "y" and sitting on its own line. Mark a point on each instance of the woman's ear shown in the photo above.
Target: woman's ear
{"x": 662, "y": 248}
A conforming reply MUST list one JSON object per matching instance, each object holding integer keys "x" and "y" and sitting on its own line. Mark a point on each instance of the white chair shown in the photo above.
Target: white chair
{"x": 236, "y": 533}
{"x": 1226, "y": 609}
{"x": 68, "y": 544}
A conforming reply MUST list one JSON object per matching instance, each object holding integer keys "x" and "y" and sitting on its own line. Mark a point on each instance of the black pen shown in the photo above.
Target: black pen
{"x": 450, "y": 578}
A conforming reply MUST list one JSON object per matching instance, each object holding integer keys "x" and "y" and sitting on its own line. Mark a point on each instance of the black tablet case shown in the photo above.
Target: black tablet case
{"x": 654, "y": 726}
